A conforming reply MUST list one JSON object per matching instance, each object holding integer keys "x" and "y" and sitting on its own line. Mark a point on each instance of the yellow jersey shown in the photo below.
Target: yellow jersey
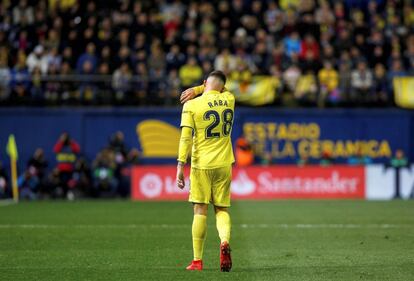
{"x": 211, "y": 117}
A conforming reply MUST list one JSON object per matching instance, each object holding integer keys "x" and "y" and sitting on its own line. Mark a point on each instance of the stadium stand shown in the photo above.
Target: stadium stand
{"x": 145, "y": 52}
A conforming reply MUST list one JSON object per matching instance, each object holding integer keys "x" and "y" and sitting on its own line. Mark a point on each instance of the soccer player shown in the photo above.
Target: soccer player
{"x": 207, "y": 122}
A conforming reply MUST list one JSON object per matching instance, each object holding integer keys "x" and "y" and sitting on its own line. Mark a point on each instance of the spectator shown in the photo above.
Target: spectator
{"x": 37, "y": 59}
{"x": 37, "y": 164}
{"x": 309, "y": 46}
{"x": 303, "y": 161}
{"x": 81, "y": 181}
{"x": 121, "y": 82}
{"x": 399, "y": 160}
{"x": 292, "y": 44}
{"x": 306, "y": 89}
{"x": 324, "y": 15}
{"x": 291, "y": 77}
{"x": 125, "y": 172}
{"x": 23, "y": 43}
{"x": 36, "y": 91}
{"x": 156, "y": 59}
{"x": 361, "y": 83}
{"x": 328, "y": 82}
{"x": 54, "y": 59}
{"x": 381, "y": 88}
{"x": 157, "y": 87}
{"x": 326, "y": 159}
{"x": 87, "y": 88}
{"x": 190, "y": 73}
{"x": 20, "y": 79}
{"x": 53, "y": 40}
{"x": 244, "y": 153}
{"x": 140, "y": 84}
{"x": 54, "y": 185}
{"x": 225, "y": 61}
{"x": 5, "y": 76}
{"x": 104, "y": 87}
{"x": 117, "y": 144}
{"x": 309, "y": 63}
{"x": 396, "y": 71}
{"x": 260, "y": 59}
{"x": 88, "y": 58}
{"x": 23, "y": 12}
{"x": 343, "y": 41}
{"x": 5, "y": 191}
{"x": 68, "y": 94}
{"x": 345, "y": 82}
{"x": 174, "y": 58}
{"x": 28, "y": 184}
{"x": 52, "y": 87}
{"x": 242, "y": 74}
{"x": 274, "y": 18}
{"x": 378, "y": 56}
{"x": 173, "y": 87}
{"x": 279, "y": 58}
{"x": 67, "y": 151}
{"x": 105, "y": 182}
{"x": 359, "y": 159}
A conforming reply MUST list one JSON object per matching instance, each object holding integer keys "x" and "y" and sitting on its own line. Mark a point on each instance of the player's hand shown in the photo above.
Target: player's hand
{"x": 180, "y": 177}
{"x": 187, "y": 95}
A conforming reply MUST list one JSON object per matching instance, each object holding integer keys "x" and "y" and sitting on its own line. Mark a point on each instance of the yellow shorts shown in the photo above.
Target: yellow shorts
{"x": 210, "y": 185}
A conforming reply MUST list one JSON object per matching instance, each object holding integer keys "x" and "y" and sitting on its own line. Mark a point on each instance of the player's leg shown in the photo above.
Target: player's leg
{"x": 223, "y": 223}
{"x": 200, "y": 193}
{"x": 221, "y": 201}
{"x": 199, "y": 230}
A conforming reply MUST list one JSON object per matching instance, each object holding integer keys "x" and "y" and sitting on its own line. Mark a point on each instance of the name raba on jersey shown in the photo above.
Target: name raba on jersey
{"x": 218, "y": 103}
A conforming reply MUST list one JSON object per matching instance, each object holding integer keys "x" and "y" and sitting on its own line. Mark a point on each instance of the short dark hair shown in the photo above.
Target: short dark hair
{"x": 218, "y": 74}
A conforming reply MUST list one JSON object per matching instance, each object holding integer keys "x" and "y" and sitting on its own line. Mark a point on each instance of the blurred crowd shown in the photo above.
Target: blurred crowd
{"x": 320, "y": 52}
{"x": 73, "y": 177}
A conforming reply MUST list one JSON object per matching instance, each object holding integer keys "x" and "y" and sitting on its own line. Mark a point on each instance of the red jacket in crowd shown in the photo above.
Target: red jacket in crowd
{"x": 66, "y": 155}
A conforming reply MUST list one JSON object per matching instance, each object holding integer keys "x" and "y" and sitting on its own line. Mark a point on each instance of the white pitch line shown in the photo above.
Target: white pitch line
{"x": 7, "y": 202}
{"x": 146, "y": 226}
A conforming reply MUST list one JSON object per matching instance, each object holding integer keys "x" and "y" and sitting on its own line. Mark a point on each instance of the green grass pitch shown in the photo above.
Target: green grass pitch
{"x": 271, "y": 240}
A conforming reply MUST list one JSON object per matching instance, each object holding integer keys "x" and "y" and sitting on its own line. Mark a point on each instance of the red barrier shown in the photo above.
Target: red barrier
{"x": 278, "y": 182}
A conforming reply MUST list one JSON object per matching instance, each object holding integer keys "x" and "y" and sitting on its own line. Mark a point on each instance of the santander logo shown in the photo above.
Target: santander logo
{"x": 151, "y": 185}
{"x": 242, "y": 184}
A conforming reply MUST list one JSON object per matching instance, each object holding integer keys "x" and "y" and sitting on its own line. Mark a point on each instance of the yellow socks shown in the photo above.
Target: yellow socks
{"x": 199, "y": 231}
{"x": 223, "y": 225}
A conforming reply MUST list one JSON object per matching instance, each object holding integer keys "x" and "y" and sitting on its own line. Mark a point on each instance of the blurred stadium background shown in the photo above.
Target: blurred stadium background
{"x": 89, "y": 108}
{"x": 90, "y": 89}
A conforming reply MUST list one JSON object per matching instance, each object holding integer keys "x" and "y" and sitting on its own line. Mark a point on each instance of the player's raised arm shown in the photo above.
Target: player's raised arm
{"x": 191, "y": 93}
